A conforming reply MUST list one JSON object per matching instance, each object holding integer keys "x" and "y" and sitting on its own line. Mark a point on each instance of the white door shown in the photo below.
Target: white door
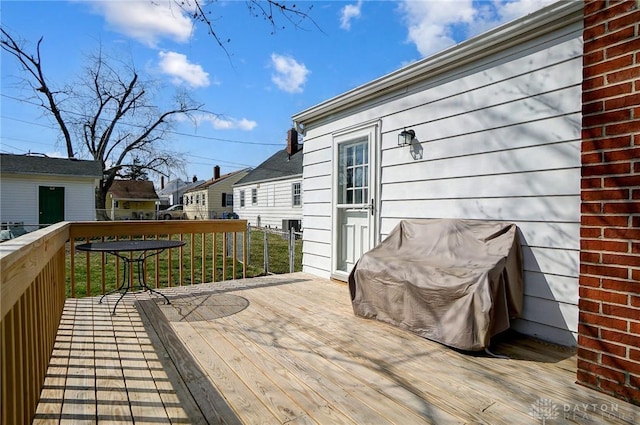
{"x": 354, "y": 196}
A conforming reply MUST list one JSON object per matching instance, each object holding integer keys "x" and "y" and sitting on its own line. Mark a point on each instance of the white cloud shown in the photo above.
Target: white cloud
{"x": 147, "y": 21}
{"x": 178, "y": 66}
{"x": 289, "y": 75}
{"x": 436, "y": 25}
{"x": 220, "y": 122}
{"x": 348, "y": 13}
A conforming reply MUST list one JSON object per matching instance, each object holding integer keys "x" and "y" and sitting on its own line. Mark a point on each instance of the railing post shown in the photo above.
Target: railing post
{"x": 266, "y": 252}
{"x": 248, "y": 242}
{"x": 292, "y": 240}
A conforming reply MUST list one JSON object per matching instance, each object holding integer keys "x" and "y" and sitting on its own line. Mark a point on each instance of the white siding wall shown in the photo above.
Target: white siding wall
{"x": 19, "y": 198}
{"x": 275, "y": 202}
{"x": 499, "y": 140}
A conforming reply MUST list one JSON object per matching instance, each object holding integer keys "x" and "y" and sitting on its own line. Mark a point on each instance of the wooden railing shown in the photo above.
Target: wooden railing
{"x": 34, "y": 285}
{"x": 32, "y": 296}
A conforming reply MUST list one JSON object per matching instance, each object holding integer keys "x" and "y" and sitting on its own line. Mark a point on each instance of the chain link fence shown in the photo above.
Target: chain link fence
{"x": 270, "y": 251}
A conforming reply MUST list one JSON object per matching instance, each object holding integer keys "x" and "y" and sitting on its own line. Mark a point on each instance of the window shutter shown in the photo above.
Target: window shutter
{"x": 224, "y": 199}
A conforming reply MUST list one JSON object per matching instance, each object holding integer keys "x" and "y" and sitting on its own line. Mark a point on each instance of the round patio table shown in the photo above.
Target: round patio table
{"x": 144, "y": 250}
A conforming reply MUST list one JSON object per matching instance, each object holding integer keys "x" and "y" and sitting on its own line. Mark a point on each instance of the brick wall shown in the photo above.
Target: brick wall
{"x": 609, "y": 322}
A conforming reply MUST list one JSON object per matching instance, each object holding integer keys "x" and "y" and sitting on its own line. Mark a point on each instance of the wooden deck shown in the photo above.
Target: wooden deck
{"x": 288, "y": 349}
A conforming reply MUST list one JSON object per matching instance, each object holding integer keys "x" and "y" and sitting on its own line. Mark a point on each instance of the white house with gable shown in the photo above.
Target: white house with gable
{"x": 497, "y": 128}
{"x": 39, "y": 190}
{"x": 271, "y": 194}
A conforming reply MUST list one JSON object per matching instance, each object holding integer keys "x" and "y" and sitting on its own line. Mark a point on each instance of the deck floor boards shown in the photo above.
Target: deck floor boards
{"x": 288, "y": 350}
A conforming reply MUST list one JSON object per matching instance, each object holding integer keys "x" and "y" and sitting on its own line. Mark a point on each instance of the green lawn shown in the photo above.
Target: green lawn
{"x": 278, "y": 263}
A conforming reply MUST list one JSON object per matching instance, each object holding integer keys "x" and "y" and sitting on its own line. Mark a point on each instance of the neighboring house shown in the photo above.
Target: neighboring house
{"x": 173, "y": 191}
{"x": 214, "y": 197}
{"x": 41, "y": 190}
{"x": 132, "y": 200}
{"x": 271, "y": 194}
{"x": 497, "y": 123}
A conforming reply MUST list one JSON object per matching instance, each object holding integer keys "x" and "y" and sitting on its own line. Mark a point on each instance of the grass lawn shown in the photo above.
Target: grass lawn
{"x": 180, "y": 265}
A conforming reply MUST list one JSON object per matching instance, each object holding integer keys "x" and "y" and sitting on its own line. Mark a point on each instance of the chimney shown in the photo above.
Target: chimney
{"x": 195, "y": 178}
{"x": 292, "y": 141}
{"x": 216, "y": 172}
{"x": 161, "y": 182}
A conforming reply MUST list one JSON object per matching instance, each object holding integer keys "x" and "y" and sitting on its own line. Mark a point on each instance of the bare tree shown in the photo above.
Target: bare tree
{"x": 272, "y": 11}
{"x": 108, "y": 114}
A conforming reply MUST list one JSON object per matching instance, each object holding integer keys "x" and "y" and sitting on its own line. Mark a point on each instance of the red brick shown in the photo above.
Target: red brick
{"x": 635, "y": 275}
{"x": 590, "y": 281}
{"x": 604, "y": 221}
{"x": 630, "y": 46}
{"x": 605, "y": 169}
{"x": 601, "y": 245}
{"x": 602, "y": 371}
{"x": 607, "y": 66}
{"x": 635, "y": 248}
{"x": 610, "y": 39}
{"x": 603, "y": 322}
{"x": 592, "y": 158}
{"x": 634, "y": 381}
{"x": 593, "y": 6}
{"x": 630, "y": 207}
{"x": 606, "y": 92}
{"x": 621, "y": 364}
{"x": 623, "y": 313}
{"x": 634, "y": 354}
{"x": 635, "y": 194}
{"x": 622, "y": 181}
{"x": 622, "y": 128}
{"x": 634, "y": 327}
{"x": 635, "y": 221}
{"x": 589, "y": 306}
{"x": 621, "y": 285}
{"x": 587, "y": 378}
{"x": 605, "y": 195}
{"x": 592, "y": 108}
{"x": 607, "y": 296}
{"x": 591, "y": 133}
{"x": 623, "y": 21}
{"x": 590, "y": 257}
{"x": 604, "y": 271}
{"x": 594, "y": 32}
{"x": 622, "y": 155}
{"x": 623, "y": 75}
{"x": 591, "y": 183}
{"x": 606, "y": 118}
{"x": 608, "y": 143}
{"x": 593, "y": 57}
{"x": 621, "y": 102}
{"x": 621, "y": 391}
{"x": 621, "y": 260}
{"x": 622, "y": 233}
{"x": 589, "y": 355}
{"x": 590, "y": 208}
{"x": 592, "y": 84}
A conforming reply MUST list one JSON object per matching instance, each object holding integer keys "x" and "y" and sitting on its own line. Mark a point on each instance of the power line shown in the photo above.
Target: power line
{"x": 133, "y": 125}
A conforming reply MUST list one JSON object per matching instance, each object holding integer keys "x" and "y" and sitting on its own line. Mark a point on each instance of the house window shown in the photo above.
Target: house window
{"x": 116, "y": 204}
{"x": 254, "y": 196}
{"x": 241, "y": 198}
{"x": 227, "y": 199}
{"x": 198, "y": 199}
{"x": 296, "y": 194}
{"x": 204, "y": 197}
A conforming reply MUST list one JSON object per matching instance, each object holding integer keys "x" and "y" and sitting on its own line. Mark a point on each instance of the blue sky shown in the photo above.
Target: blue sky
{"x": 253, "y": 91}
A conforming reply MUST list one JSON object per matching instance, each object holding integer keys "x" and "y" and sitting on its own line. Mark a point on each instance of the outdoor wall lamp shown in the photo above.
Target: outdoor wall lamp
{"x": 405, "y": 137}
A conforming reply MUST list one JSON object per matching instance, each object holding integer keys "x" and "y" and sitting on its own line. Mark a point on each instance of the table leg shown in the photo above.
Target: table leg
{"x": 142, "y": 280}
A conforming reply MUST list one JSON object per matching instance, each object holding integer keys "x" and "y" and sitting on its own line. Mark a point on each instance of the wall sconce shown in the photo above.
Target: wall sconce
{"x": 405, "y": 137}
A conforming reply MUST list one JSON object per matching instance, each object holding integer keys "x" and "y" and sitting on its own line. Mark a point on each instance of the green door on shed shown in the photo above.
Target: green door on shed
{"x": 51, "y": 204}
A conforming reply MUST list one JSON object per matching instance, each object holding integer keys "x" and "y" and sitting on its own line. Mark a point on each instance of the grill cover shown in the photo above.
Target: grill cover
{"x": 457, "y": 282}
